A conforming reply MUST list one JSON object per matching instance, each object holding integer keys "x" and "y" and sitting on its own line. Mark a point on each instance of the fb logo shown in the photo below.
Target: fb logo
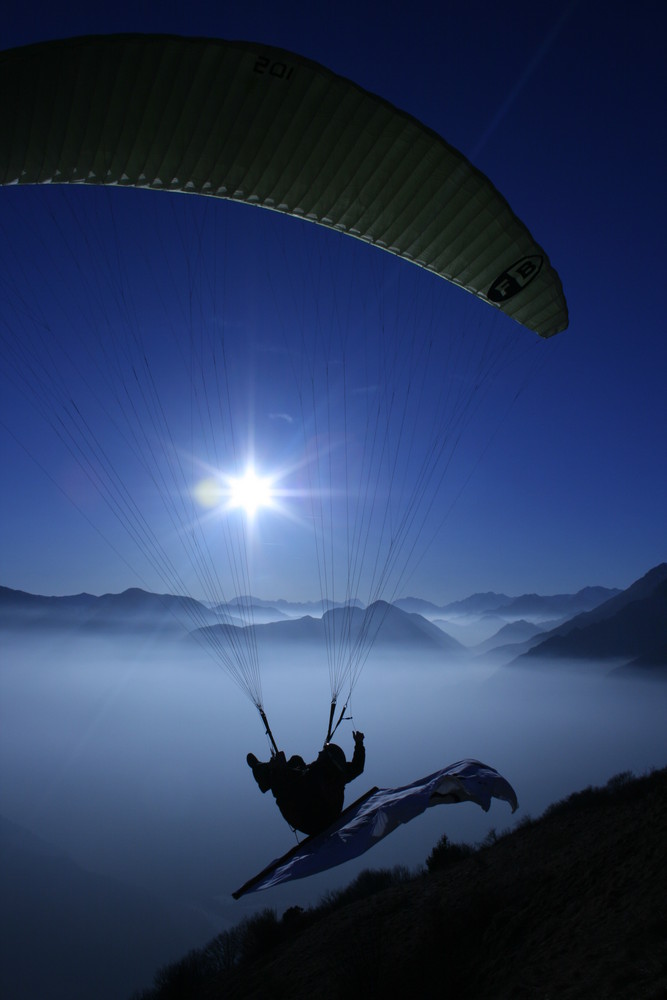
{"x": 514, "y": 279}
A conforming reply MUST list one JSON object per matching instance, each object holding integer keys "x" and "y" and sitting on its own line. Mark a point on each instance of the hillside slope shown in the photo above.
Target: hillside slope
{"x": 630, "y": 626}
{"x": 571, "y": 906}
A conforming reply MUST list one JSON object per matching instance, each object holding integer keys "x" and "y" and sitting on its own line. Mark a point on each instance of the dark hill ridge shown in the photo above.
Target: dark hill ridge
{"x": 631, "y": 626}
{"x": 641, "y": 589}
{"x": 571, "y": 906}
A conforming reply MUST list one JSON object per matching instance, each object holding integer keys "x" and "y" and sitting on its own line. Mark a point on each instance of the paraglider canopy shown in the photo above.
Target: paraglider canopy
{"x": 267, "y": 127}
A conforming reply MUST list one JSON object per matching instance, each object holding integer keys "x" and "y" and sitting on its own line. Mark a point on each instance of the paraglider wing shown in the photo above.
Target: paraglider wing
{"x": 263, "y": 126}
{"x": 377, "y": 814}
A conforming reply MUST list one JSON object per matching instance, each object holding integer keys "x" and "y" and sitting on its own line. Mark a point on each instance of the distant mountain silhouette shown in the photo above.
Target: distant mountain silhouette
{"x": 487, "y": 608}
{"x": 631, "y": 626}
{"x": 287, "y": 609}
{"x": 133, "y": 608}
{"x": 252, "y": 612}
{"x": 416, "y": 605}
{"x": 286, "y": 631}
{"x": 476, "y": 604}
{"x": 515, "y": 632}
{"x": 596, "y": 622}
{"x": 478, "y": 621}
{"x": 401, "y": 627}
{"x": 383, "y": 623}
{"x": 555, "y": 606}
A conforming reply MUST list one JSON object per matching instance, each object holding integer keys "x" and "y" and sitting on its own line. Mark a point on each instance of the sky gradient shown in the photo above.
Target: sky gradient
{"x": 564, "y": 485}
{"x": 127, "y": 753}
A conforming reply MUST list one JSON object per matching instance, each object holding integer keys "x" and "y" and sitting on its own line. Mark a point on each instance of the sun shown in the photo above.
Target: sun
{"x": 250, "y": 492}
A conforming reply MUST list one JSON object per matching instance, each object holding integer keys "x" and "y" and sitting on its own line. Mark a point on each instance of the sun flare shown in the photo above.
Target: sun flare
{"x": 250, "y": 492}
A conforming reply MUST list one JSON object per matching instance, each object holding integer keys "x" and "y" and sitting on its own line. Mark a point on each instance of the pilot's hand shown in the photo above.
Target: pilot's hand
{"x": 358, "y": 737}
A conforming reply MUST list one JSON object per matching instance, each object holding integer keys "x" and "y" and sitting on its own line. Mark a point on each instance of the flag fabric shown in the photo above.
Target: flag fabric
{"x": 376, "y": 814}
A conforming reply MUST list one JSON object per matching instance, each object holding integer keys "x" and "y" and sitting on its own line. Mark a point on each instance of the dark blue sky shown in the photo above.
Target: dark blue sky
{"x": 136, "y": 768}
{"x": 563, "y": 109}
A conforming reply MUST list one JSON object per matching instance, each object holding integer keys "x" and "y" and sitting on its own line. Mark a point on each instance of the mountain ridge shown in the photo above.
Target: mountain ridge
{"x": 381, "y": 623}
{"x": 628, "y": 627}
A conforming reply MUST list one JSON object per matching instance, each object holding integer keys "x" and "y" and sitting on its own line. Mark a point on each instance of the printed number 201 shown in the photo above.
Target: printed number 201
{"x": 278, "y": 69}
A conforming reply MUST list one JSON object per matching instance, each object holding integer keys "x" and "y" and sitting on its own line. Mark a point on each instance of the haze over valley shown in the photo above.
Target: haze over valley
{"x": 125, "y": 790}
